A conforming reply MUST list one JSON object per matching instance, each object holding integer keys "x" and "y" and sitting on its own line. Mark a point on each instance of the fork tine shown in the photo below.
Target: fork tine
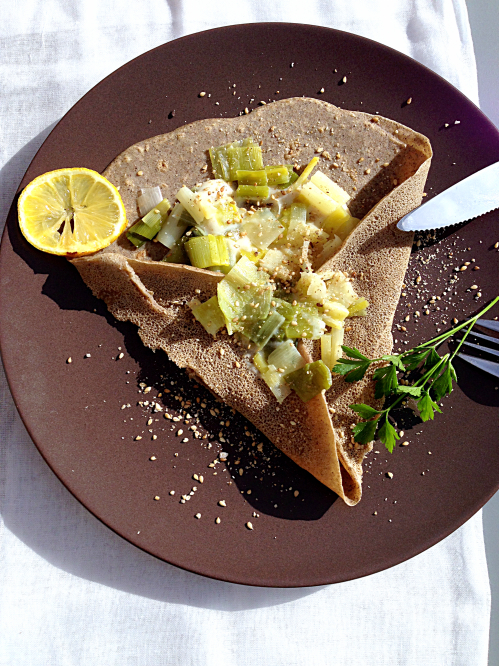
{"x": 488, "y": 323}
{"x": 485, "y": 337}
{"x": 482, "y": 348}
{"x": 488, "y": 366}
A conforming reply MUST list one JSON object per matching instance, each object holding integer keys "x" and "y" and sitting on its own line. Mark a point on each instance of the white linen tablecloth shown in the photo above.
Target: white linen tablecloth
{"x": 74, "y": 593}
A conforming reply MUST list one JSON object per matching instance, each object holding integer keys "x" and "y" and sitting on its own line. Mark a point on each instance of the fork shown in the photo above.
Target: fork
{"x": 492, "y": 367}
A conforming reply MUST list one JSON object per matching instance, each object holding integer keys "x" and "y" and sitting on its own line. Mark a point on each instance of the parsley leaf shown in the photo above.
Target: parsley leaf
{"x": 358, "y": 373}
{"x": 432, "y": 360}
{"x": 410, "y": 390}
{"x": 388, "y": 435}
{"x": 396, "y": 360}
{"x": 365, "y": 411}
{"x": 364, "y": 431}
{"x": 354, "y": 353}
{"x": 427, "y": 407}
{"x": 386, "y": 380}
{"x": 413, "y": 358}
{"x": 443, "y": 384}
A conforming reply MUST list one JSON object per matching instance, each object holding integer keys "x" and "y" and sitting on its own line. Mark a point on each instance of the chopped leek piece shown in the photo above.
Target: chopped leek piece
{"x": 149, "y": 225}
{"x": 138, "y": 241}
{"x": 177, "y": 254}
{"x": 331, "y": 347}
{"x": 261, "y": 331}
{"x": 347, "y": 227}
{"x": 330, "y": 188}
{"x": 330, "y": 321}
{"x": 205, "y": 251}
{"x": 259, "y": 362}
{"x": 209, "y": 315}
{"x": 145, "y": 231}
{"x": 252, "y": 177}
{"x": 272, "y": 261}
{"x": 220, "y": 163}
{"x": 329, "y": 248}
{"x": 219, "y": 269}
{"x": 197, "y": 204}
{"x": 305, "y": 232}
{"x": 305, "y": 325}
{"x": 174, "y": 227}
{"x": 159, "y": 212}
{"x": 286, "y": 358}
{"x": 262, "y": 228}
{"x": 293, "y": 177}
{"x": 244, "y": 295}
{"x": 305, "y": 173}
{"x": 313, "y": 286}
{"x": 247, "y": 157}
{"x": 358, "y": 309}
{"x": 279, "y": 175}
{"x": 253, "y": 193}
{"x": 284, "y": 308}
{"x": 276, "y": 383}
{"x": 340, "y": 289}
{"x": 316, "y": 198}
{"x": 310, "y": 380}
{"x": 148, "y": 199}
{"x": 297, "y": 215}
{"x": 253, "y": 256}
{"x": 337, "y": 310}
{"x": 226, "y": 213}
{"x": 336, "y": 220}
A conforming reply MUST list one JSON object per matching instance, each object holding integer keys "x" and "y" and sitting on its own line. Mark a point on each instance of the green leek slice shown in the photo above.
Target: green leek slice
{"x": 205, "y": 251}
{"x": 330, "y": 188}
{"x": 259, "y": 362}
{"x": 262, "y": 228}
{"x": 305, "y": 173}
{"x": 220, "y": 163}
{"x": 305, "y": 325}
{"x": 261, "y": 331}
{"x": 286, "y": 358}
{"x": 209, "y": 315}
{"x": 312, "y": 286}
{"x": 347, "y": 227}
{"x": 310, "y": 380}
{"x": 337, "y": 310}
{"x": 316, "y": 198}
{"x": 331, "y": 347}
{"x": 340, "y": 289}
{"x": 138, "y": 241}
{"x": 149, "y": 225}
{"x": 358, "y": 308}
{"x": 174, "y": 227}
{"x": 244, "y": 295}
{"x": 244, "y": 177}
{"x": 336, "y": 219}
{"x": 247, "y": 157}
{"x": 177, "y": 254}
{"x": 253, "y": 193}
{"x": 280, "y": 175}
{"x": 197, "y": 204}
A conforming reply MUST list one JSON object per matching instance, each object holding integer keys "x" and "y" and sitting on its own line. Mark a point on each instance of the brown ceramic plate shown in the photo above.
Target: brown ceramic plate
{"x": 73, "y": 411}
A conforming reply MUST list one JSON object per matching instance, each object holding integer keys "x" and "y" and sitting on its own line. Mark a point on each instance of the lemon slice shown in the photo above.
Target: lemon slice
{"x": 71, "y": 212}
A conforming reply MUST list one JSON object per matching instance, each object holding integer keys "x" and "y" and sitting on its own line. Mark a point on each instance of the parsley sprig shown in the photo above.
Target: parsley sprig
{"x": 437, "y": 375}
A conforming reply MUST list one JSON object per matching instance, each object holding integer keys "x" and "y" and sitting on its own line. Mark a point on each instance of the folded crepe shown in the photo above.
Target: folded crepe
{"x": 383, "y": 165}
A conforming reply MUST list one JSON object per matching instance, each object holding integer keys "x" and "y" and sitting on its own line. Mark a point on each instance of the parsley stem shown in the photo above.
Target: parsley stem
{"x": 447, "y": 334}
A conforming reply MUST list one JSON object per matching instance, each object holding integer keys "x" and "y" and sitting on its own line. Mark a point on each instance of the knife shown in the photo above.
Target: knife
{"x": 476, "y": 195}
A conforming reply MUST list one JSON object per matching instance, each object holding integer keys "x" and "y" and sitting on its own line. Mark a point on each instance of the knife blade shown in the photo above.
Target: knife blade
{"x": 476, "y": 195}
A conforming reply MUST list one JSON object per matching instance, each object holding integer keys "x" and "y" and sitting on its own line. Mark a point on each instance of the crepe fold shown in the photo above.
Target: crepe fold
{"x": 383, "y": 165}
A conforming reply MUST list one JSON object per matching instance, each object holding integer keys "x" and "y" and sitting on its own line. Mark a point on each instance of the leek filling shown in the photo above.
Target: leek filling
{"x": 265, "y": 228}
